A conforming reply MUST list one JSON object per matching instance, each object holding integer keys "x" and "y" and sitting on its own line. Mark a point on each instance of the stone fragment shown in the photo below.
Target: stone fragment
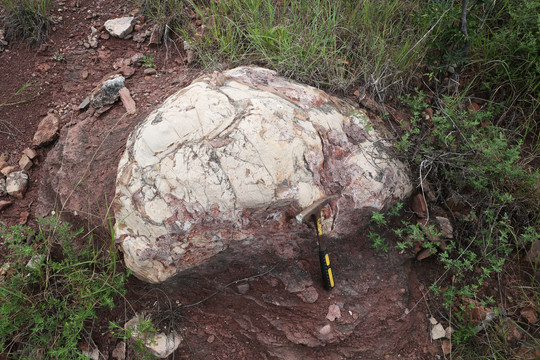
{"x": 333, "y": 312}
{"x": 446, "y": 347}
{"x": 433, "y": 321}
{"x": 25, "y": 163}
{"x": 418, "y": 205}
{"x": 150, "y": 71}
{"x": 449, "y": 331}
{"x": 157, "y": 34}
{"x": 4, "y": 204}
{"x": 30, "y": 153}
{"x": 47, "y": 131}
{"x": 243, "y": 288}
{"x": 211, "y": 339}
{"x": 8, "y": 170}
{"x": 127, "y": 100}
{"x": 3, "y": 191}
{"x": 325, "y": 330}
{"x": 84, "y": 104}
{"x": 437, "y": 332}
{"x": 84, "y": 74}
{"x": 91, "y": 354}
{"x": 120, "y": 27}
{"x": 107, "y": 92}
{"x": 310, "y": 295}
{"x": 3, "y": 164}
{"x": 424, "y": 254}
{"x": 160, "y": 344}
{"x": 17, "y": 183}
{"x": 119, "y": 352}
{"x": 4, "y": 156}
{"x": 445, "y": 226}
{"x": 529, "y": 314}
{"x": 235, "y": 149}
{"x": 23, "y": 217}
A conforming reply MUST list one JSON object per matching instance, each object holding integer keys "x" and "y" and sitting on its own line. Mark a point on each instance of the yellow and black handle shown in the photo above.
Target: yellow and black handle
{"x": 324, "y": 259}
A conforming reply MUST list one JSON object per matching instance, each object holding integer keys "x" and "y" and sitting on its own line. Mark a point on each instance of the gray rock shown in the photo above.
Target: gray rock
{"x": 107, "y": 93}
{"x": 84, "y": 104}
{"x": 447, "y": 231}
{"x": 120, "y": 27}
{"x": 17, "y": 183}
{"x": 119, "y": 352}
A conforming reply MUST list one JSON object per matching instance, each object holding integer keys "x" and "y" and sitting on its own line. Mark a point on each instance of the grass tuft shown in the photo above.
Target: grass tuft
{"x": 27, "y": 19}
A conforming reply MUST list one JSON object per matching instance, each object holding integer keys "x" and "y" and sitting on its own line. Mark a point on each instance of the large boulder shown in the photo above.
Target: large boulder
{"x": 232, "y": 158}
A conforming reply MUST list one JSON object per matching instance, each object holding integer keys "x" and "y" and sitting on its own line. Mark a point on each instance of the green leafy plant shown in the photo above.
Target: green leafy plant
{"x": 148, "y": 61}
{"x": 52, "y": 289}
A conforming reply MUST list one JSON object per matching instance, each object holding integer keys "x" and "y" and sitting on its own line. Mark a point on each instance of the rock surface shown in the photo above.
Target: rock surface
{"x": 232, "y": 158}
{"x": 107, "y": 92}
{"x": 120, "y": 27}
{"x": 3, "y": 191}
{"x": 47, "y": 131}
{"x": 17, "y": 183}
{"x": 160, "y": 344}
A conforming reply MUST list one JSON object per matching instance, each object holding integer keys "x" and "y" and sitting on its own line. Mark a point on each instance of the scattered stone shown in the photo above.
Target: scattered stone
{"x": 437, "y": 332}
{"x": 446, "y": 347}
{"x": 424, "y": 254}
{"x": 47, "y": 131}
{"x": 325, "y": 330}
{"x": 119, "y": 352}
{"x": 4, "y": 204}
{"x": 106, "y": 93}
{"x": 433, "y": 321}
{"x": 3, "y": 164}
{"x": 333, "y": 312}
{"x": 120, "y": 27}
{"x": 91, "y": 354}
{"x": 127, "y": 100}
{"x": 139, "y": 37}
{"x": 510, "y": 331}
{"x": 449, "y": 331}
{"x": 447, "y": 231}
{"x": 35, "y": 261}
{"x": 105, "y": 36}
{"x": 418, "y": 205}
{"x": 32, "y": 154}
{"x": 150, "y": 71}
{"x": 23, "y": 217}
{"x": 8, "y": 170}
{"x": 159, "y": 344}
{"x": 25, "y": 163}
{"x": 4, "y": 156}
{"x": 84, "y": 104}
{"x": 157, "y": 34}
{"x": 127, "y": 71}
{"x": 529, "y": 314}
{"x": 3, "y": 191}
{"x": 84, "y": 74}
{"x": 211, "y": 339}
{"x": 484, "y": 323}
{"x": 243, "y": 288}
{"x": 17, "y": 183}
{"x": 255, "y": 155}
{"x": 310, "y": 295}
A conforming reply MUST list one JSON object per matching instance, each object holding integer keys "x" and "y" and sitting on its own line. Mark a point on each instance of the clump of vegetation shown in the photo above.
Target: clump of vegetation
{"x": 28, "y": 19}
{"x": 52, "y": 288}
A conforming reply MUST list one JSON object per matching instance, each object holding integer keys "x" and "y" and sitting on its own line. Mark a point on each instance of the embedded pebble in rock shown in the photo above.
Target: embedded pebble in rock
{"x": 333, "y": 312}
{"x": 16, "y": 183}
{"x": 107, "y": 92}
{"x": 120, "y": 27}
{"x": 3, "y": 191}
{"x": 47, "y": 130}
{"x": 228, "y": 161}
{"x": 310, "y": 295}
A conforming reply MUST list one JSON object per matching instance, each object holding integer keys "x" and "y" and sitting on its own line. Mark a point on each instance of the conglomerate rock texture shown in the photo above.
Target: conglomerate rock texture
{"x": 231, "y": 159}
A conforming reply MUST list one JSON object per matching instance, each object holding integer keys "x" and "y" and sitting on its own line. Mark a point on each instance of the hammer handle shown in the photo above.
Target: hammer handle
{"x": 326, "y": 269}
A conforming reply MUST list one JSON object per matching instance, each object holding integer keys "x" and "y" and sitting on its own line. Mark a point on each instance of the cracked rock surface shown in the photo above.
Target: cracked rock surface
{"x": 231, "y": 159}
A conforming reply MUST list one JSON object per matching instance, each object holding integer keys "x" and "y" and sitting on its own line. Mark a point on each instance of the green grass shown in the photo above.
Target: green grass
{"x": 52, "y": 289}
{"x": 28, "y": 19}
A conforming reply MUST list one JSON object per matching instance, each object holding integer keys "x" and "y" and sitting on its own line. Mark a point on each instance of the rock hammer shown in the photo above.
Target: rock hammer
{"x": 312, "y": 214}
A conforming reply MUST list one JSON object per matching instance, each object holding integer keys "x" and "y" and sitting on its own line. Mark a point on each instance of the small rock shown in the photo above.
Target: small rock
{"x": 243, "y": 288}
{"x": 47, "y": 130}
{"x": 418, "y": 205}
{"x": 84, "y": 74}
{"x": 310, "y": 295}
{"x": 105, "y": 36}
{"x": 23, "y": 217}
{"x": 510, "y": 331}
{"x": 447, "y": 231}
{"x": 325, "y": 330}
{"x": 92, "y": 355}
{"x": 424, "y": 254}
{"x": 433, "y": 321}
{"x": 449, "y": 331}
{"x": 8, "y": 170}
{"x": 159, "y": 344}
{"x": 446, "y": 347}
{"x": 16, "y": 183}
{"x": 139, "y": 37}
{"x": 157, "y": 34}
{"x": 150, "y": 71}
{"x": 437, "y": 332}
{"x": 3, "y": 191}
{"x": 25, "y": 163}
{"x": 333, "y": 312}
{"x": 529, "y": 314}
{"x": 211, "y": 339}
{"x": 84, "y": 104}
{"x": 119, "y": 352}
{"x": 30, "y": 153}
{"x": 4, "y": 204}
{"x": 120, "y": 27}
{"x": 107, "y": 92}
{"x": 127, "y": 100}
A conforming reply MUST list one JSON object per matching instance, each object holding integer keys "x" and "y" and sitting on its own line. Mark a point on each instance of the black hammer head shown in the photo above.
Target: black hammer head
{"x": 314, "y": 209}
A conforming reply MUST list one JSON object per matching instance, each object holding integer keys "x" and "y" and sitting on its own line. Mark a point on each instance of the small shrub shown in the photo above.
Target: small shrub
{"x": 52, "y": 289}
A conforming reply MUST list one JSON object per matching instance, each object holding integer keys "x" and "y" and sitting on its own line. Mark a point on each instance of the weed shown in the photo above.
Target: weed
{"x": 28, "y": 19}
{"x": 10, "y": 101}
{"x": 141, "y": 334}
{"x": 52, "y": 289}
{"x": 148, "y": 61}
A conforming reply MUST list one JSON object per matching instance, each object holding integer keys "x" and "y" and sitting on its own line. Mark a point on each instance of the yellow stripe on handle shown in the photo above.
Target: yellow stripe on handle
{"x": 326, "y": 270}
{"x": 319, "y": 226}
{"x": 331, "y": 277}
{"x": 327, "y": 258}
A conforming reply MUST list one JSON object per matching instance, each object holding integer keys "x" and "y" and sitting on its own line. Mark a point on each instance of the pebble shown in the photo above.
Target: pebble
{"x": 47, "y": 130}
{"x": 530, "y": 315}
{"x": 150, "y": 71}
{"x": 119, "y": 352}
{"x": 25, "y": 163}
{"x": 8, "y": 170}
{"x": 333, "y": 312}
{"x": 243, "y": 288}
{"x": 3, "y": 191}
{"x": 418, "y": 205}
{"x": 4, "y": 204}
{"x": 30, "y": 153}
{"x": 325, "y": 330}
{"x": 17, "y": 183}
{"x": 438, "y": 332}
{"x": 127, "y": 101}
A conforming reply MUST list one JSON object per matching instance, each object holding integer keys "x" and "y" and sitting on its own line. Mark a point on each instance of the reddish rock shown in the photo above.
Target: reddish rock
{"x": 23, "y": 217}
{"x": 418, "y": 205}
{"x": 127, "y": 100}
{"x": 30, "y": 153}
{"x": 424, "y": 254}
{"x": 473, "y": 106}
{"x": 529, "y": 314}
{"x": 47, "y": 131}
{"x": 446, "y": 347}
{"x": 4, "y": 204}
{"x": 310, "y": 295}
{"x": 3, "y": 164}
{"x": 8, "y": 170}
{"x": 4, "y": 156}
{"x": 333, "y": 312}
